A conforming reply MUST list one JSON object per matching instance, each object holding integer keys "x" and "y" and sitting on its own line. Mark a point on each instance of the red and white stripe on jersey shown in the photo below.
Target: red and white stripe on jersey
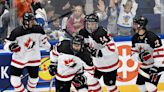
{"x": 54, "y": 55}
{"x": 65, "y": 77}
{"x": 20, "y": 64}
{"x": 158, "y": 53}
{"x": 89, "y": 69}
{"x": 145, "y": 66}
{"x": 95, "y": 87}
{"x": 133, "y": 50}
{"x": 110, "y": 67}
{"x": 111, "y": 46}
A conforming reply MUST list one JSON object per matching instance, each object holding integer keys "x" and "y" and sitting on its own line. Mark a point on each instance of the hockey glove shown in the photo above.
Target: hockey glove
{"x": 52, "y": 70}
{"x": 79, "y": 80}
{"x": 14, "y": 47}
{"x": 95, "y": 52}
{"x": 144, "y": 56}
{"x": 154, "y": 74}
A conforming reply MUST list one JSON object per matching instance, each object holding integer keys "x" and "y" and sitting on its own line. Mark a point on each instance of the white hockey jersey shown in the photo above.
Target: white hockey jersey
{"x": 151, "y": 43}
{"x": 109, "y": 60}
{"x": 64, "y": 71}
{"x": 30, "y": 42}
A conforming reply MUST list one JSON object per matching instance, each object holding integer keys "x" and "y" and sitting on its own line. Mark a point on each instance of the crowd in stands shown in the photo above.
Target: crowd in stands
{"x": 61, "y": 17}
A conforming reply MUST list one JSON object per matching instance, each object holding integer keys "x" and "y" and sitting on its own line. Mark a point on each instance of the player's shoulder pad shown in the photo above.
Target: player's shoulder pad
{"x": 135, "y": 37}
{"x": 18, "y": 31}
{"x": 38, "y": 29}
{"x": 64, "y": 47}
{"x": 84, "y": 33}
{"x": 152, "y": 35}
{"x": 100, "y": 32}
{"x": 86, "y": 57}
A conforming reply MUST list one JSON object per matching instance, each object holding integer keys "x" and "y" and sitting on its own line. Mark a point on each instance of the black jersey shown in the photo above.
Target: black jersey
{"x": 99, "y": 32}
{"x": 150, "y": 38}
{"x": 65, "y": 47}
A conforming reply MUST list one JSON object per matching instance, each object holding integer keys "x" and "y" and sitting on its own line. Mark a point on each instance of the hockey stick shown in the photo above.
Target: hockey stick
{"x": 51, "y": 83}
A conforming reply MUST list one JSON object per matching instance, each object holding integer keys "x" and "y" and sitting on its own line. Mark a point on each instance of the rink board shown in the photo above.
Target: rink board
{"x": 127, "y": 71}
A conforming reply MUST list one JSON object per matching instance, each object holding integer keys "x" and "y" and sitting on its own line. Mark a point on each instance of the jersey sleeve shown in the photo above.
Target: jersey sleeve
{"x": 54, "y": 55}
{"x": 43, "y": 39}
{"x": 11, "y": 39}
{"x": 134, "y": 51}
{"x": 158, "y": 52}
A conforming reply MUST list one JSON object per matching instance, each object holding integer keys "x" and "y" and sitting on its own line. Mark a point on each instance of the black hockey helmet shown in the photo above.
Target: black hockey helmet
{"x": 91, "y": 18}
{"x": 27, "y": 17}
{"x": 78, "y": 39}
{"x": 142, "y": 22}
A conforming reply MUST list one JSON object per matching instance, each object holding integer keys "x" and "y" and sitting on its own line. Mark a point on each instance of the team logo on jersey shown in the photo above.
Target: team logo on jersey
{"x": 127, "y": 68}
{"x": 29, "y": 43}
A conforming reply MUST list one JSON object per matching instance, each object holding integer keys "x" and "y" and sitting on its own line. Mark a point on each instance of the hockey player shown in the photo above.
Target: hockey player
{"x": 68, "y": 60}
{"x": 104, "y": 51}
{"x": 147, "y": 49}
{"x": 25, "y": 42}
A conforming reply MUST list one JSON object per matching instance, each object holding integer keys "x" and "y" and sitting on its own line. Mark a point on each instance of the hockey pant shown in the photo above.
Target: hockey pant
{"x": 143, "y": 79}
{"x": 109, "y": 79}
{"x": 15, "y": 78}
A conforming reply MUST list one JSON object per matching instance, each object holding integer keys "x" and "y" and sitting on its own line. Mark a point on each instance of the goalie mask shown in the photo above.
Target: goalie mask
{"x": 28, "y": 20}
{"x": 77, "y": 43}
{"x": 91, "y": 22}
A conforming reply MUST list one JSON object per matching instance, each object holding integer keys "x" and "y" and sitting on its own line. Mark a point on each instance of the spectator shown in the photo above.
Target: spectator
{"x": 76, "y": 21}
{"x": 60, "y": 6}
{"x": 112, "y": 11}
{"x": 157, "y": 8}
{"x": 145, "y": 7}
{"x": 4, "y": 21}
{"x": 55, "y": 30}
{"x": 74, "y": 3}
{"x": 125, "y": 19}
{"x": 40, "y": 14}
